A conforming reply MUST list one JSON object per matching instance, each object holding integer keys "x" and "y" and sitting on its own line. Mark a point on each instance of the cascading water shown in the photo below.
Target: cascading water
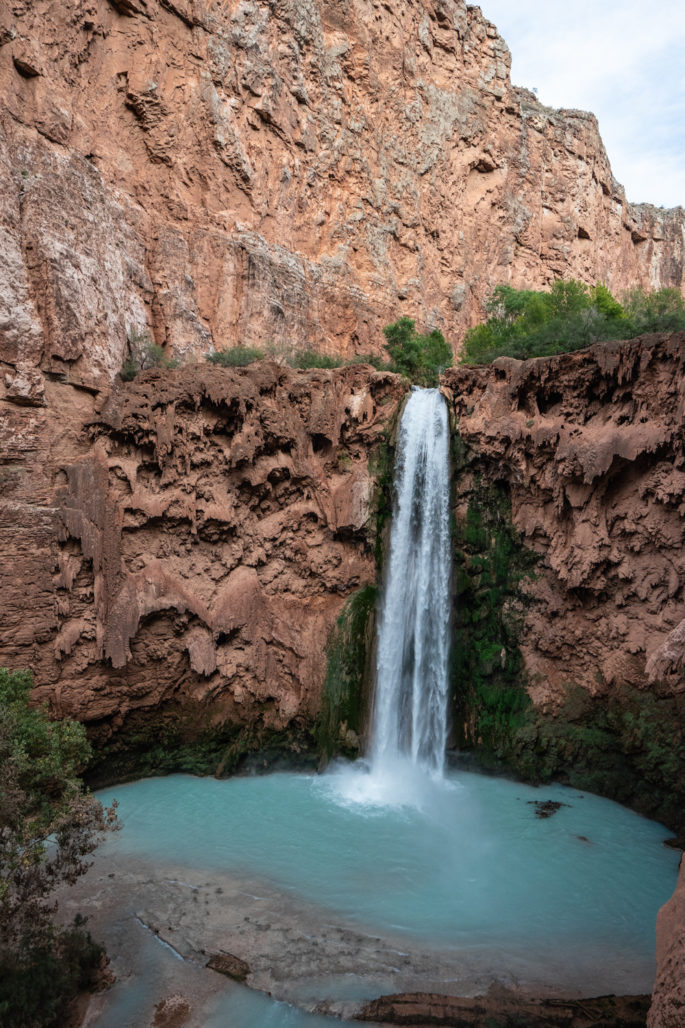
{"x": 409, "y": 719}
{"x": 371, "y": 858}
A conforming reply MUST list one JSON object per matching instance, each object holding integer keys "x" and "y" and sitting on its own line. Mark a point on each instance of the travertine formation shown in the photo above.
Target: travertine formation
{"x": 592, "y": 446}
{"x": 194, "y": 543}
{"x": 286, "y": 172}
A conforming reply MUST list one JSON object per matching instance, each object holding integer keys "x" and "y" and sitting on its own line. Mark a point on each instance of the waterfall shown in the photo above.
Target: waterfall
{"x": 410, "y": 707}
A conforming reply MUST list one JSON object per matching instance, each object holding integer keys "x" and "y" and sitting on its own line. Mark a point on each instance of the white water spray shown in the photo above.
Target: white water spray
{"x": 410, "y": 709}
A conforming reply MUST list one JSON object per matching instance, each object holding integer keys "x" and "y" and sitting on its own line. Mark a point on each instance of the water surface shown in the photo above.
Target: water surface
{"x": 462, "y": 863}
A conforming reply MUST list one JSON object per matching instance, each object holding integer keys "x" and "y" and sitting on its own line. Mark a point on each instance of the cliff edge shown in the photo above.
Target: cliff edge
{"x": 286, "y": 172}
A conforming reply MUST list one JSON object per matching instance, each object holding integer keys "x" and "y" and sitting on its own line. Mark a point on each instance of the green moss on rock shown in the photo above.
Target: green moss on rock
{"x": 628, "y": 746}
{"x": 382, "y": 467}
{"x": 487, "y": 673}
{"x": 343, "y": 704}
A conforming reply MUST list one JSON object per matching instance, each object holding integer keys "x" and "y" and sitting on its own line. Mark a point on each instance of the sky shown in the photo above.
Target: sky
{"x": 624, "y": 60}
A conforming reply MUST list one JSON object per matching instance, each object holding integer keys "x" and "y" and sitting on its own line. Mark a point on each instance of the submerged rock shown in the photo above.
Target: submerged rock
{"x": 504, "y": 1009}
{"x": 545, "y": 808}
{"x": 231, "y": 966}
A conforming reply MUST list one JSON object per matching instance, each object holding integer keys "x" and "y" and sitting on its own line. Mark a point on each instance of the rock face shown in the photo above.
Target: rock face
{"x": 194, "y": 545}
{"x": 590, "y": 448}
{"x": 288, "y": 172}
{"x": 668, "y": 1003}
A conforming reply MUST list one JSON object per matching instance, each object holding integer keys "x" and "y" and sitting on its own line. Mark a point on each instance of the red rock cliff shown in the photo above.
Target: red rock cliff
{"x": 291, "y": 171}
{"x": 190, "y": 540}
{"x": 590, "y": 448}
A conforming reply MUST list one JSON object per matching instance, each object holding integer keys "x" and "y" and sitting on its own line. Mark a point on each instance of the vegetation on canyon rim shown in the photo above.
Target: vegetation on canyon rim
{"x": 420, "y": 358}
{"x": 521, "y": 323}
{"x": 48, "y": 827}
{"x": 144, "y": 354}
{"x": 525, "y": 323}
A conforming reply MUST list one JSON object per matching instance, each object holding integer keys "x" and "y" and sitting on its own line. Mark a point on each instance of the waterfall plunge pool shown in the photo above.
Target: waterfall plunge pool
{"x": 343, "y": 886}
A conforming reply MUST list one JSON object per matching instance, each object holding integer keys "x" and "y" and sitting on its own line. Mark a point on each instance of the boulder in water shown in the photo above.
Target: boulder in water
{"x": 231, "y": 966}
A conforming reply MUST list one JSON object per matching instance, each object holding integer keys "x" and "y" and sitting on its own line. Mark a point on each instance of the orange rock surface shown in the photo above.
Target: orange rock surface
{"x": 592, "y": 447}
{"x": 190, "y": 539}
{"x": 290, "y": 172}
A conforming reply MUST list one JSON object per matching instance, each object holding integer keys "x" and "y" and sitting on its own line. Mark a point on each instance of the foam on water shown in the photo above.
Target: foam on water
{"x": 395, "y": 783}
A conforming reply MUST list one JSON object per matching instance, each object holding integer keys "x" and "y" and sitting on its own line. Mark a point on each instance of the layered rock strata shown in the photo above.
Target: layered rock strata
{"x": 189, "y": 542}
{"x": 285, "y": 172}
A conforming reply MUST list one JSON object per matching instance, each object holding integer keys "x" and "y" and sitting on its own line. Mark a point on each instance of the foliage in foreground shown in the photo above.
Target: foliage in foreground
{"x": 48, "y": 827}
{"x": 526, "y": 323}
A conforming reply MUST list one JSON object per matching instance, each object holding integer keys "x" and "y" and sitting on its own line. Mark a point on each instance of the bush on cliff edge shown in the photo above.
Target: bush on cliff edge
{"x": 524, "y": 323}
{"x": 419, "y": 358}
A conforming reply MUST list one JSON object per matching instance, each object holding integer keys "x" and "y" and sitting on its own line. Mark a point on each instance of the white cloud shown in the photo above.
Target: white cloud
{"x": 620, "y": 59}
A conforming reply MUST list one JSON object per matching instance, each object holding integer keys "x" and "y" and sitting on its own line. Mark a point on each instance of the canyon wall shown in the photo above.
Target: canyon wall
{"x": 588, "y": 451}
{"x": 287, "y": 173}
{"x": 180, "y": 551}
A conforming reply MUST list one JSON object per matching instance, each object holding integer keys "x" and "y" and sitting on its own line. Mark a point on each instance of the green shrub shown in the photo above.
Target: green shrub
{"x": 420, "y": 358}
{"x": 49, "y": 827}
{"x": 661, "y": 311}
{"x": 373, "y": 359}
{"x": 143, "y": 355}
{"x": 311, "y": 359}
{"x": 129, "y": 369}
{"x": 235, "y": 357}
{"x": 241, "y": 356}
{"x": 523, "y": 323}
{"x": 37, "y": 986}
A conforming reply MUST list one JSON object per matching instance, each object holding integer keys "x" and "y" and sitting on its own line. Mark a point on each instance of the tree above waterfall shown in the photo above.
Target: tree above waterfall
{"x": 420, "y": 357}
